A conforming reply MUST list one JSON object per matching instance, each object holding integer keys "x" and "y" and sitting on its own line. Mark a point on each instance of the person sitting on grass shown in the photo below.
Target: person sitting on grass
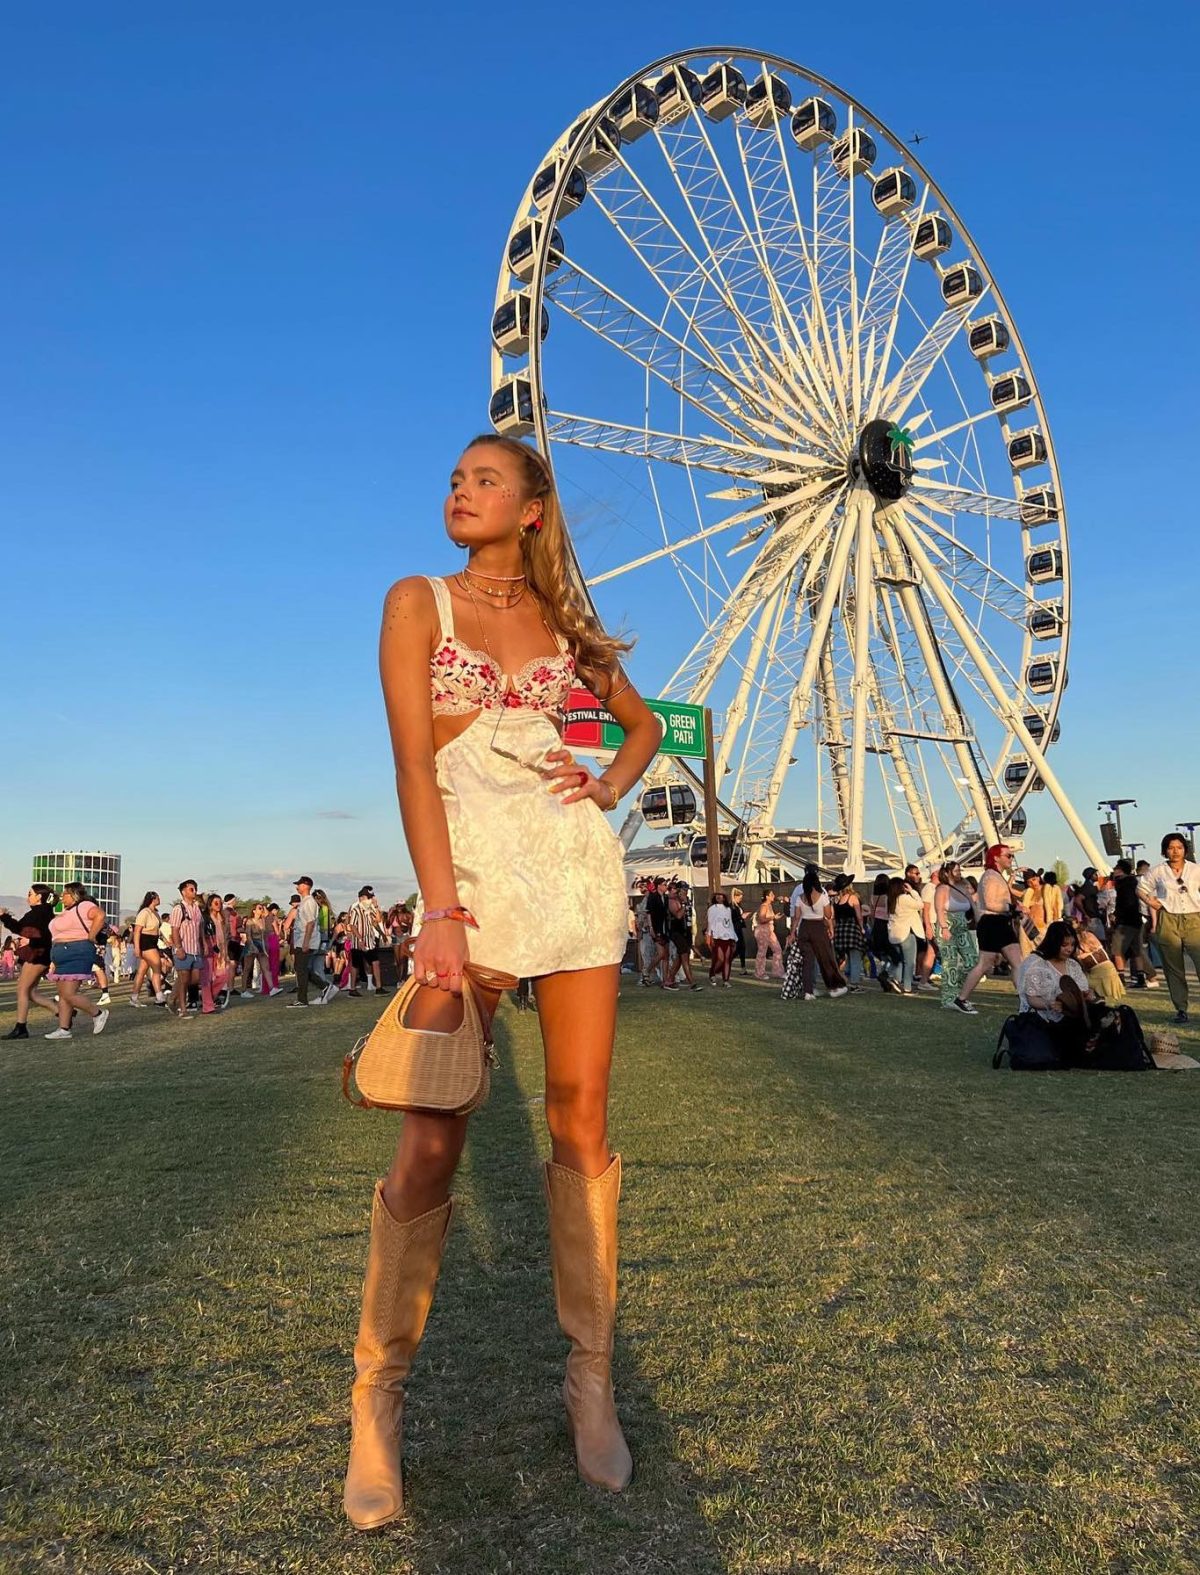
{"x": 1101, "y": 973}
{"x": 1051, "y": 983}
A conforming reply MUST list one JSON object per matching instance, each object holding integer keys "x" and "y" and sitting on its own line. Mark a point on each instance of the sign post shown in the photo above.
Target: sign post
{"x": 711, "y": 824}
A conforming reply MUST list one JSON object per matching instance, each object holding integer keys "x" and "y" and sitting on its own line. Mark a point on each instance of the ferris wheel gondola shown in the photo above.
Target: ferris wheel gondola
{"x": 776, "y": 381}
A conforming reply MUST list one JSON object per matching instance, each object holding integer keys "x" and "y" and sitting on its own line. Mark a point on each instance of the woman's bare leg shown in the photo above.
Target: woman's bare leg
{"x": 70, "y": 1000}
{"x": 429, "y": 1147}
{"x": 27, "y": 992}
{"x": 578, "y": 1016}
{"x": 987, "y": 961}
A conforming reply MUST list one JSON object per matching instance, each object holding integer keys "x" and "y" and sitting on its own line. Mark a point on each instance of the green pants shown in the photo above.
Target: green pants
{"x": 1178, "y": 934}
{"x": 959, "y": 955}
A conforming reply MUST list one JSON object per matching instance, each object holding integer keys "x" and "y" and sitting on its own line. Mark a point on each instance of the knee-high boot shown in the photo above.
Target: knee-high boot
{"x": 583, "y": 1251}
{"x": 402, "y": 1271}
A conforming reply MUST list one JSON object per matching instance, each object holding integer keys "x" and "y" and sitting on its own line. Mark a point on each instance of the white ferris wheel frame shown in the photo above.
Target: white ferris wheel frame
{"x": 857, "y": 539}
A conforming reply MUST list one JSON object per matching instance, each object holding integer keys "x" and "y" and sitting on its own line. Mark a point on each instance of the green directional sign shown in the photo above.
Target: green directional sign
{"x": 683, "y": 728}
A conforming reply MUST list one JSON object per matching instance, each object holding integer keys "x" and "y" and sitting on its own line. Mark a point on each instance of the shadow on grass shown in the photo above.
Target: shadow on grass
{"x": 488, "y": 1442}
{"x": 185, "y": 1210}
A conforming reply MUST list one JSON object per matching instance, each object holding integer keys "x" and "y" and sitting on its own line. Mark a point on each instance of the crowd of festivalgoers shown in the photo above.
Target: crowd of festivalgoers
{"x": 198, "y": 955}
{"x": 940, "y": 932}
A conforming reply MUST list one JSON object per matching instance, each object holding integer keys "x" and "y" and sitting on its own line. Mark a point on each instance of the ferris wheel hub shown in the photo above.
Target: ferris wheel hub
{"x": 882, "y": 458}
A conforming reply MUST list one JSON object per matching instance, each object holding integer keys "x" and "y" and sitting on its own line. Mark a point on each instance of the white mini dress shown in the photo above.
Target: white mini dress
{"x": 544, "y": 879}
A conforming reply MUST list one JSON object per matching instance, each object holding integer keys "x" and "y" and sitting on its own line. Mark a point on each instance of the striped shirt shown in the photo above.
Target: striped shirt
{"x": 364, "y": 920}
{"x": 185, "y": 929}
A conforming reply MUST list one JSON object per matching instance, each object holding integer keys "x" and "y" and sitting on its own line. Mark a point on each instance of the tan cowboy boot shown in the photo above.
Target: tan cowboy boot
{"x": 402, "y": 1271}
{"x": 583, "y": 1251}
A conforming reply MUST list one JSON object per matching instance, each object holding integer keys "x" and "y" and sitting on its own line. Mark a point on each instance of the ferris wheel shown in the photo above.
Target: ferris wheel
{"x": 799, "y": 440}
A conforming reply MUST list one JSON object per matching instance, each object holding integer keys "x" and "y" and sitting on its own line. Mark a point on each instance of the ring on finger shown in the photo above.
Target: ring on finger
{"x": 431, "y": 977}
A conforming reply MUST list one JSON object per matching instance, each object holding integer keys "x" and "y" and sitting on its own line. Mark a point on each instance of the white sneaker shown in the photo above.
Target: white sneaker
{"x": 59, "y": 1033}
{"x": 833, "y": 994}
{"x": 160, "y": 1000}
{"x": 727, "y": 984}
{"x": 247, "y": 995}
{"x": 808, "y": 998}
{"x": 104, "y": 1000}
{"x": 331, "y": 991}
{"x": 134, "y": 1000}
{"x": 277, "y": 990}
{"x": 1152, "y": 984}
{"x": 99, "y": 1021}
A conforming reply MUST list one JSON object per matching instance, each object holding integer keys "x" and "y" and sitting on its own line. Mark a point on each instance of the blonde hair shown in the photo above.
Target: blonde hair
{"x": 550, "y": 577}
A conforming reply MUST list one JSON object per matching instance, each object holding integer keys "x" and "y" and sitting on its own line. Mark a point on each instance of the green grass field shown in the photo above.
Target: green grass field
{"x": 883, "y": 1309}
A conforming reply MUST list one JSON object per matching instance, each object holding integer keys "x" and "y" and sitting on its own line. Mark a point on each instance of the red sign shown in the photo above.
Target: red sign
{"x": 585, "y": 721}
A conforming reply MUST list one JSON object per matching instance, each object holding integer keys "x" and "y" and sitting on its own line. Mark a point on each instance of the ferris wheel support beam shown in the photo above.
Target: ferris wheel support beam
{"x": 835, "y": 574}
{"x": 835, "y": 729}
{"x": 735, "y": 715}
{"x": 953, "y": 720}
{"x": 1006, "y": 707}
{"x": 864, "y": 536}
{"x": 920, "y": 809}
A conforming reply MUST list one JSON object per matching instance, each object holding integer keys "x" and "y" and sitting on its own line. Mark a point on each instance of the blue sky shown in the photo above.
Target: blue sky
{"x": 245, "y": 289}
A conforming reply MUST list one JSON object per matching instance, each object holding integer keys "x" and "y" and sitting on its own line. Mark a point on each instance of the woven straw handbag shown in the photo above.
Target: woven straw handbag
{"x": 400, "y": 1068}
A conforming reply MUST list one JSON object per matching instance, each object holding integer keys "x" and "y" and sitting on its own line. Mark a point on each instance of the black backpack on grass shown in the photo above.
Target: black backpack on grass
{"x": 1121, "y": 1046}
{"x": 1027, "y": 1041}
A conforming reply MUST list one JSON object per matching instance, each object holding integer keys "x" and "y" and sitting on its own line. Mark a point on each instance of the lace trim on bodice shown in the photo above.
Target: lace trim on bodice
{"x": 464, "y": 679}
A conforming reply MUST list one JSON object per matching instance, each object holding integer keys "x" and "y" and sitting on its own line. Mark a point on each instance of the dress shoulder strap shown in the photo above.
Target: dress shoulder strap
{"x": 445, "y": 613}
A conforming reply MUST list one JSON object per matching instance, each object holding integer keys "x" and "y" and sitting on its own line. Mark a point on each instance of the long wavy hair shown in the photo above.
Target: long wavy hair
{"x": 548, "y": 573}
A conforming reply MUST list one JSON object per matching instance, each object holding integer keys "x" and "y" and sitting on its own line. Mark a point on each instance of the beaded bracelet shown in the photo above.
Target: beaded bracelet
{"x": 461, "y": 915}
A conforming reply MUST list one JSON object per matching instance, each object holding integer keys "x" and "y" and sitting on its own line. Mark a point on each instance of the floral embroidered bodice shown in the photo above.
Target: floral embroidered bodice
{"x": 464, "y": 679}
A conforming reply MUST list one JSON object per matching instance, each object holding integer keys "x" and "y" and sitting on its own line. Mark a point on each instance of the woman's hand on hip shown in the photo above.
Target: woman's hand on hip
{"x": 439, "y": 953}
{"x": 574, "y": 782}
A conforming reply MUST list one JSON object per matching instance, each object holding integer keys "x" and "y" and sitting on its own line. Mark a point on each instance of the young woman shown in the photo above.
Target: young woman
{"x": 33, "y": 954}
{"x": 810, "y": 944}
{"x": 146, "y": 927}
{"x": 1051, "y": 983}
{"x": 254, "y": 948}
{"x": 954, "y": 921}
{"x": 1172, "y": 892}
{"x": 721, "y": 937}
{"x": 766, "y": 942}
{"x": 739, "y": 925}
{"x": 475, "y": 670}
{"x": 679, "y": 930}
{"x": 995, "y": 928}
{"x": 887, "y": 956}
{"x": 1033, "y": 901}
{"x": 906, "y": 921}
{"x": 1101, "y": 971}
{"x": 272, "y": 933}
{"x": 399, "y": 922}
{"x": 214, "y": 966}
{"x": 848, "y": 941}
{"x": 73, "y": 935}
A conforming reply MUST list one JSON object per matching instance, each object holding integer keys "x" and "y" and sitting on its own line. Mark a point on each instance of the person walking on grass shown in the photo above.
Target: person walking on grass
{"x": 146, "y": 928}
{"x": 679, "y": 929}
{"x": 810, "y": 943}
{"x": 33, "y": 954}
{"x": 905, "y": 925}
{"x": 187, "y": 944}
{"x": 1128, "y": 945}
{"x": 766, "y": 942}
{"x": 736, "y": 897}
{"x": 848, "y": 940}
{"x": 306, "y": 938}
{"x": 73, "y": 935}
{"x": 995, "y": 927}
{"x": 273, "y": 938}
{"x": 366, "y": 930}
{"x": 954, "y": 919}
{"x": 520, "y": 875}
{"x": 721, "y": 938}
{"x": 1172, "y": 891}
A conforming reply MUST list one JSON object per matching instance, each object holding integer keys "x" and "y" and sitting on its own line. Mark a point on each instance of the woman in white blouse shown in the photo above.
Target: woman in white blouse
{"x": 810, "y": 943}
{"x": 721, "y": 937}
{"x": 1051, "y": 983}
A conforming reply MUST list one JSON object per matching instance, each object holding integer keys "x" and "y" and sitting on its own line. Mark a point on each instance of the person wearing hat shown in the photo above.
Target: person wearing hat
{"x": 366, "y": 932}
{"x": 306, "y": 938}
